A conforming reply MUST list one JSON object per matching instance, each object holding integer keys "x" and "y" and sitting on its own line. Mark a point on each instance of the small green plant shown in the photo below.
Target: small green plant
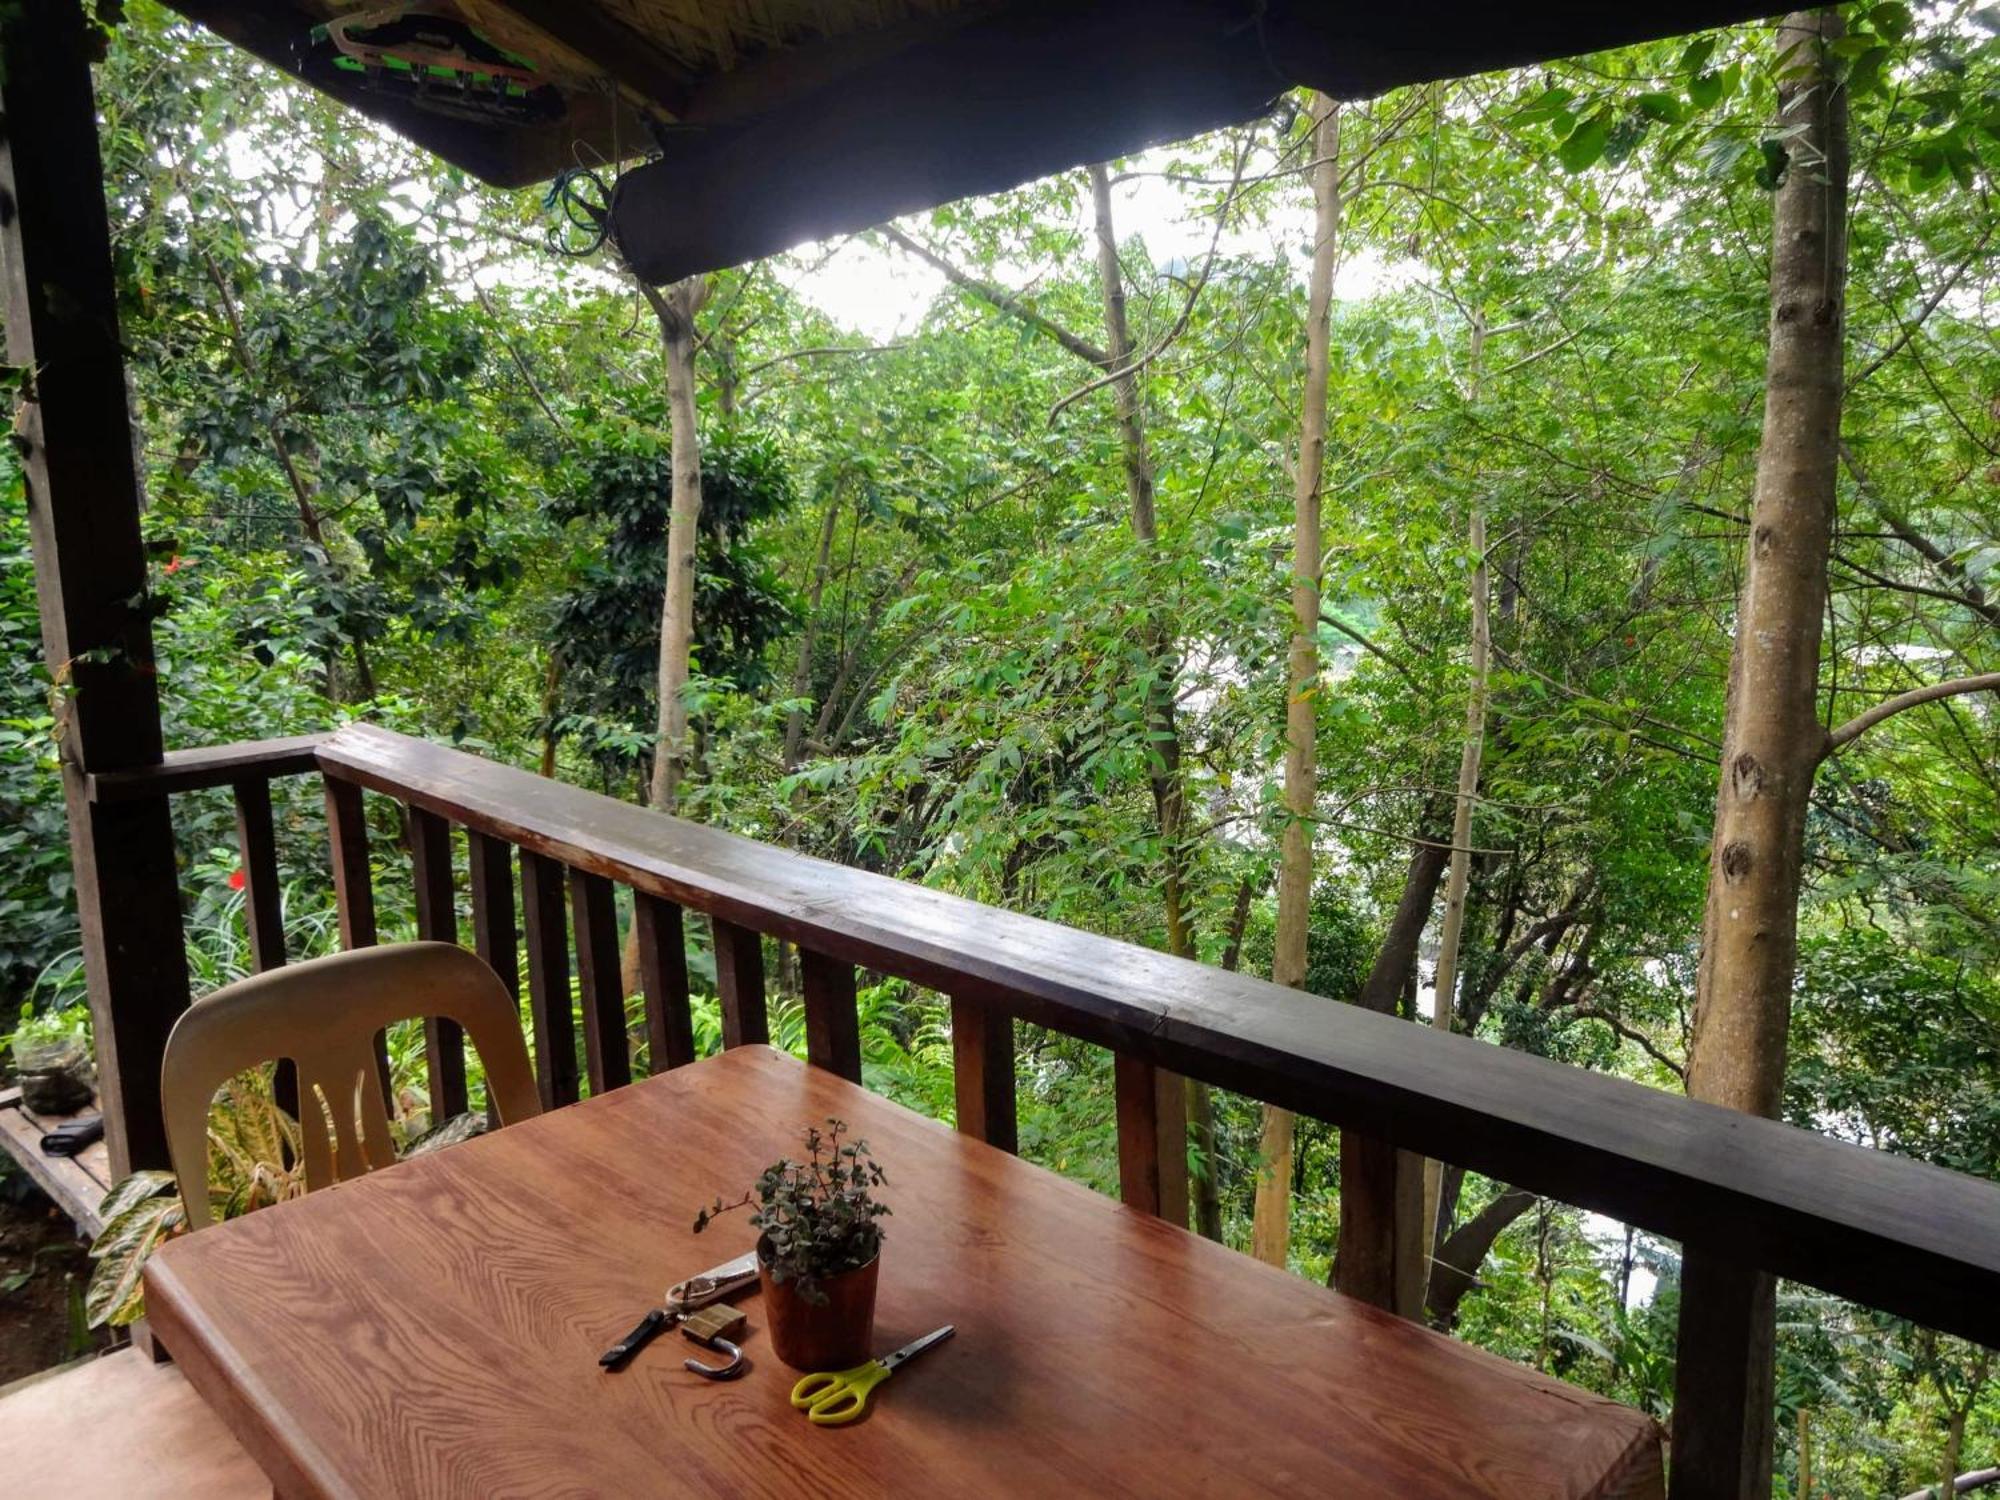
{"x": 254, "y": 1159}
{"x": 819, "y": 1216}
{"x": 49, "y": 1031}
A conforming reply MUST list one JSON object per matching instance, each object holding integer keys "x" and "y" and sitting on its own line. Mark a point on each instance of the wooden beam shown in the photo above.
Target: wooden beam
{"x": 1152, "y": 1127}
{"x": 982, "y": 1072}
{"x": 437, "y": 922}
{"x": 833, "y": 1027}
{"x": 1899, "y": 1235}
{"x": 495, "y": 938}
{"x": 622, "y": 53}
{"x": 74, "y": 434}
{"x": 548, "y": 980}
{"x": 593, "y": 909}
{"x": 353, "y": 882}
{"x": 207, "y": 766}
{"x": 663, "y": 974}
{"x": 739, "y": 982}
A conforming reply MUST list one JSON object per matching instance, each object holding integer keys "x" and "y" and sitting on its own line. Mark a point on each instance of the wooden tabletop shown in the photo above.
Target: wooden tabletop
{"x": 433, "y": 1330}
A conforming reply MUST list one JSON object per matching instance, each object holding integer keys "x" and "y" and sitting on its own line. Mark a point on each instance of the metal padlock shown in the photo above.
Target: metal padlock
{"x": 717, "y": 1326}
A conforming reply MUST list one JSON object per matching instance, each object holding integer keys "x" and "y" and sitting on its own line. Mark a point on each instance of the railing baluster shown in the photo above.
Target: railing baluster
{"x": 1152, "y": 1125}
{"x": 437, "y": 922}
{"x": 495, "y": 936}
{"x": 354, "y": 893}
{"x": 548, "y": 978}
{"x": 739, "y": 980}
{"x": 607, "y": 1052}
{"x": 257, "y": 840}
{"x": 353, "y": 890}
{"x": 982, "y": 1069}
{"x": 263, "y": 907}
{"x": 833, "y": 1028}
{"x": 663, "y": 972}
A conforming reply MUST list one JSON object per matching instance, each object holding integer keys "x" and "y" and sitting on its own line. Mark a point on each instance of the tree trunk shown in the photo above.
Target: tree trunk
{"x": 795, "y": 721}
{"x": 1465, "y": 1250}
{"x": 676, "y": 308}
{"x": 1772, "y": 739}
{"x": 1271, "y": 1231}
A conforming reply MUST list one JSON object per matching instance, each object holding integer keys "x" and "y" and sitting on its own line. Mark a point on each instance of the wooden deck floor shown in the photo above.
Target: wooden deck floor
{"x": 124, "y": 1428}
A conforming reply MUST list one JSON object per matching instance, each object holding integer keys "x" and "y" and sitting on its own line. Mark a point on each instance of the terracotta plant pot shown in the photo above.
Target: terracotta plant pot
{"x": 836, "y": 1334}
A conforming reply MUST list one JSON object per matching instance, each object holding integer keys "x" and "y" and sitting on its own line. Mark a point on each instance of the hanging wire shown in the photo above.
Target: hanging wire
{"x": 580, "y": 199}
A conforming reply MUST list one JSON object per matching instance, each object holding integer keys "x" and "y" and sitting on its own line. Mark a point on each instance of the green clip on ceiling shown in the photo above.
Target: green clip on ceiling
{"x": 764, "y": 123}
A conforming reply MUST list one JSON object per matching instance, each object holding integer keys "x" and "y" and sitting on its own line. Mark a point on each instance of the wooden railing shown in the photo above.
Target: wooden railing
{"x": 1895, "y": 1234}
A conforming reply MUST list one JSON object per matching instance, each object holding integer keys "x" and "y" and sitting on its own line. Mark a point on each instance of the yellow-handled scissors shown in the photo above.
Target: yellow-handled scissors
{"x": 833, "y": 1398}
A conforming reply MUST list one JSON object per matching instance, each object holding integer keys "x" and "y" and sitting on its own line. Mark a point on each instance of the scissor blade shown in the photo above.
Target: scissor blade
{"x": 911, "y": 1351}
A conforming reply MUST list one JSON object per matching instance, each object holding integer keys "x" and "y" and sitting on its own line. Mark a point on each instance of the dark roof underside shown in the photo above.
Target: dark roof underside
{"x": 763, "y": 138}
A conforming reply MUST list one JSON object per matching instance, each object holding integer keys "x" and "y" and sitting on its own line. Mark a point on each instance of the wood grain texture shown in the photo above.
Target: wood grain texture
{"x": 663, "y": 975}
{"x": 353, "y": 885}
{"x": 1152, "y": 1123}
{"x": 606, "y": 1052}
{"x": 1900, "y": 1235}
{"x": 433, "y": 1330}
{"x": 542, "y": 911}
{"x": 833, "y": 1032}
{"x": 982, "y": 1072}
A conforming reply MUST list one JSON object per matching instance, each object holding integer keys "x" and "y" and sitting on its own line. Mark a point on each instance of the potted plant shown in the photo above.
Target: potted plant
{"x": 819, "y": 1249}
{"x": 52, "y": 1060}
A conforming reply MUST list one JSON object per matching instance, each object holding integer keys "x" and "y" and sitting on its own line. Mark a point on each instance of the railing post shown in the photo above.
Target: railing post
{"x": 263, "y": 903}
{"x": 74, "y": 436}
{"x": 1152, "y": 1126}
{"x": 982, "y": 1071}
{"x": 495, "y": 938}
{"x": 663, "y": 974}
{"x": 1721, "y": 1440}
{"x": 548, "y": 979}
{"x": 353, "y": 890}
{"x": 437, "y": 922}
{"x": 739, "y": 980}
{"x": 833, "y": 1025}
{"x": 607, "y": 1052}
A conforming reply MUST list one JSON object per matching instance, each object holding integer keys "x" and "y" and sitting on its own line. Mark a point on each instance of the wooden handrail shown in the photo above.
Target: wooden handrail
{"x": 207, "y": 766}
{"x": 1896, "y": 1234}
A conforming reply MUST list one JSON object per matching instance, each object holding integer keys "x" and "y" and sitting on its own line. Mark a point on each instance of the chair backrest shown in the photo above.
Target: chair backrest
{"x": 322, "y": 1016}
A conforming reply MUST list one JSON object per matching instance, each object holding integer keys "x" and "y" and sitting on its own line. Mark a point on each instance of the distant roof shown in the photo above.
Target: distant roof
{"x": 770, "y": 122}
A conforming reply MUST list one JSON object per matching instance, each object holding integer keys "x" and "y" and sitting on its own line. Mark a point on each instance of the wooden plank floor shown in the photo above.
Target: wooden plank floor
{"x": 124, "y": 1427}
{"x": 77, "y": 1184}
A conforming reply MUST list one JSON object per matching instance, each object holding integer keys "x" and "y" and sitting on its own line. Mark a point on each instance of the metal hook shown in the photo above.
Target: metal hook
{"x": 729, "y": 1371}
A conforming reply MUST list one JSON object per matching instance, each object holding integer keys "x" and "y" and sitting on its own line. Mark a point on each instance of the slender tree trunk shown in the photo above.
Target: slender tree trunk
{"x": 1772, "y": 739}
{"x": 1163, "y": 729}
{"x": 676, "y": 308}
{"x": 1271, "y": 1231}
{"x": 795, "y": 721}
{"x": 1444, "y": 988}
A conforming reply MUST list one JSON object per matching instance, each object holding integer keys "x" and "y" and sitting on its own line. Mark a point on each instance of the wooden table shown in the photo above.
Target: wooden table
{"x": 433, "y": 1330}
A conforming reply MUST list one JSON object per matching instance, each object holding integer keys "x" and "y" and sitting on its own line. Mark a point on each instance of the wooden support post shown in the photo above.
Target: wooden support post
{"x": 495, "y": 937}
{"x": 982, "y": 1069}
{"x": 353, "y": 887}
{"x": 607, "y": 1053}
{"x": 1715, "y": 1436}
{"x": 263, "y": 907}
{"x": 548, "y": 979}
{"x": 739, "y": 980}
{"x": 437, "y": 922}
{"x": 74, "y": 434}
{"x": 833, "y": 1026}
{"x": 663, "y": 974}
{"x": 1152, "y": 1124}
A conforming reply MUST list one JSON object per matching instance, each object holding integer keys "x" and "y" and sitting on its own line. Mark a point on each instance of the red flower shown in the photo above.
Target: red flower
{"x": 173, "y": 564}
{"x": 237, "y": 880}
